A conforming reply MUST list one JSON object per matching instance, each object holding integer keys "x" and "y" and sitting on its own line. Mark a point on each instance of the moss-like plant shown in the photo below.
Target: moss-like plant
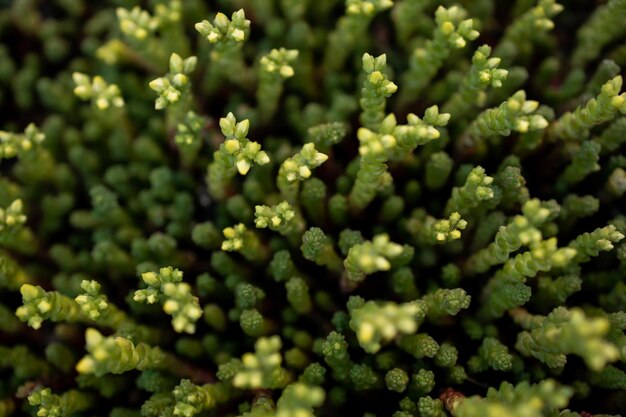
{"x": 297, "y": 208}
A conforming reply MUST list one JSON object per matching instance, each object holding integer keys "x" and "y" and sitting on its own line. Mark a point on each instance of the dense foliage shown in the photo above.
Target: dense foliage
{"x": 289, "y": 208}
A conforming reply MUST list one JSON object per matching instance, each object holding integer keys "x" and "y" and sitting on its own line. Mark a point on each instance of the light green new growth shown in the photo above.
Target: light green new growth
{"x": 378, "y": 323}
{"x": 167, "y": 287}
{"x": 141, "y": 45}
{"x": 521, "y": 400}
{"x": 447, "y": 230}
{"x": 227, "y": 37}
{"x": 193, "y": 399}
{"x": 280, "y": 218}
{"x": 375, "y": 150}
{"x": 515, "y": 114}
{"x": 96, "y": 306}
{"x": 19, "y": 144}
{"x": 240, "y": 239}
{"x": 575, "y": 126}
{"x": 565, "y": 332}
{"x": 418, "y": 131}
{"x": 351, "y": 29}
{"x": 174, "y": 87}
{"x": 376, "y": 88}
{"x": 507, "y": 288}
{"x": 235, "y": 237}
{"x": 590, "y": 244}
{"x": 275, "y": 68}
{"x": 527, "y": 28}
{"x": 452, "y": 32}
{"x": 66, "y": 404}
{"x": 606, "y": 70}
{"x": 317, "y": 247}
{"x": 477, "y": 188}
{"x": 473, "y": 288}
{"x": 391, "y": 141}
{"x": 429, "y": 231}
{"x": 370, "y": 256}
{"x": 605, "y": 25}
{"x": 225, "y": 32}
{"x": 236, "y": 154}
{"x": 262, "y": 369}
{"x": 521, "y": 231}
{"x": 491, "y": 354}
{"x": 39, "y": 305}
{"x": 298, "y": 400}
{"x": 169, "y": 13}
{"x": 136, "y": 23}
{"x": 297, "y": 169}
{"x": 116, "y": 355}
{"x": 483, "y": 73}
{"x": 101, "y": 94}
{"x": 367, "y": 7}
{"x": 12, "y": 217}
